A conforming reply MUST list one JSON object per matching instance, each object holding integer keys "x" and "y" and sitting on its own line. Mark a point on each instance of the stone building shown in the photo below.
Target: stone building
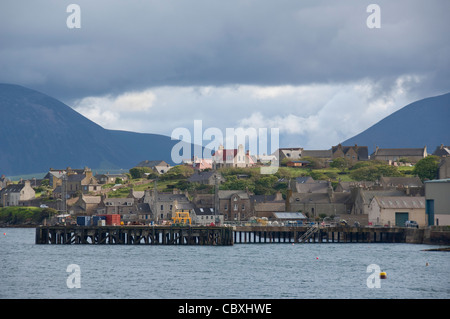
{"x": 396, "y": 210}
{"x": 352, "y": 153}
{"x": 164, "y": 205}
{"x": 444, "y": 168}
{"x": 267, "y": 205}
{"x": 316, "y": 204}
{"x": 391, "y": 155}
{"x": 206, "y": 177}
{"x": 85, "y": 205}
{"x": 16, "y": 194}
{"x": 235, "y": 205}
{"x": 83, "y": 183}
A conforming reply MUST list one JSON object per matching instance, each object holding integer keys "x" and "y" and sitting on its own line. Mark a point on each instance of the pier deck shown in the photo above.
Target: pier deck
{"x": 207, "y": 235}
{"x": 271, "y": 234}
{"x": 133, "y": 235}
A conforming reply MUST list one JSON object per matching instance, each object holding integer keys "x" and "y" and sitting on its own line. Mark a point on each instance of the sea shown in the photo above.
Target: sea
{"x": 241, "y": 271}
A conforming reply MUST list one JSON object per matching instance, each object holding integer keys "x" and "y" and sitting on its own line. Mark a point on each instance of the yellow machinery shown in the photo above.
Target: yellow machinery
{"x": 182, "y": 218}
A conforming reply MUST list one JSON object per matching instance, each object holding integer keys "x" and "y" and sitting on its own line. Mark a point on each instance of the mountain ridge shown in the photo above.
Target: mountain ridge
{"x": 43, "y": 132}
{"x": 418, "y": 124}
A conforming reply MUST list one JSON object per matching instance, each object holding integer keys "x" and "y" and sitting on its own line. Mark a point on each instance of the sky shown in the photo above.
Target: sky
{"x": 314, "y": 70}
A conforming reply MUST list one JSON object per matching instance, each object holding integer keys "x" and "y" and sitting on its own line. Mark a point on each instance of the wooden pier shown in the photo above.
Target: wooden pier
{"x": 135, "y": 235}
{"x": 273, "y": 234}
{"x": 221, "y": 236}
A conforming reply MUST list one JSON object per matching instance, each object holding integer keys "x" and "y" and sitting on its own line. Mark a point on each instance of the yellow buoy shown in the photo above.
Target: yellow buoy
{"x": 382, "y": 275}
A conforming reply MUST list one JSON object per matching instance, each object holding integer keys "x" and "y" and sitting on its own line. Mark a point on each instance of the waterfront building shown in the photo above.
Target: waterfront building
{"x": 235, "y": 205}
{"x": 206, "y": 216}
{"x": 396, "y": 210}
{"x": 438, "y": 201}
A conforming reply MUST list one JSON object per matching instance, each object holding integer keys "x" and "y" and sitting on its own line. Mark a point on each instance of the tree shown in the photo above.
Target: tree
{"x": 139, "y": 172}
{"x": 265, "y": 185}
{"x": 235, "y": 183}
{"x": 178, "y": 172}
{"x": 340, "y": 163}
{"x": 427, "y": 168}
{"x": 374, "y": 172}
{"x": 314, "y": 162}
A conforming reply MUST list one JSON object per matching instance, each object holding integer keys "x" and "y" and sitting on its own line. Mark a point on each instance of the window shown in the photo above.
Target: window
{"x": 226, "y": 207}
{"x": 162, "y": 207}
{"x": 243, "y": 206}
{"x": 235, "y": 207}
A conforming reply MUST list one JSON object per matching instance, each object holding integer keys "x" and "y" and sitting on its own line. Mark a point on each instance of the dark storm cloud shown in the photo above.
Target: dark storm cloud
{"x": 124, "y": 45}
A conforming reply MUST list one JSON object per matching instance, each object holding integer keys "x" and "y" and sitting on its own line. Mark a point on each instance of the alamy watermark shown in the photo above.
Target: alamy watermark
{"x": 74, "y": 279}
{"x": 73, "y": 21}
{"x": 374, "y": 280}
{"x": 228, "y": 148}
{"x": 374, "y": 19}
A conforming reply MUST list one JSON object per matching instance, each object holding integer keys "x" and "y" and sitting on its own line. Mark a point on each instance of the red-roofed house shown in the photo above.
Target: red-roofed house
{"x": 232, "y": 157}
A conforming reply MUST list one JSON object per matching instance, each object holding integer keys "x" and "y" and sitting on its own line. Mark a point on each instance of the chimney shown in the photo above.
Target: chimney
{"x": 278, "y": 196}
{"x": 87, "y": 172}
{"x": 288, "y": 197}
{"x": 330, "y": 191}
{"x": 407, "y": 190}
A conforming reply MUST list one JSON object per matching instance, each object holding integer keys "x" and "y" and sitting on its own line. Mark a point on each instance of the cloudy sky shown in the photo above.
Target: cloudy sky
{"x": 312, "y": 69}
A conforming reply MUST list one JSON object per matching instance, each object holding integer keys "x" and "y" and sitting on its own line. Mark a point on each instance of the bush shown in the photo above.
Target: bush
{"x": 139, "y": 172}
{"x": 374, "y": 172}
{"x": 23, "y": 215}
{"x": 177, "y": 172}
{"x": 427, "y": 168}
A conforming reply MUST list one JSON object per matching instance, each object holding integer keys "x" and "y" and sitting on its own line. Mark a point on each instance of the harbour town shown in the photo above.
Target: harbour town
{"x": 337, "y": 195}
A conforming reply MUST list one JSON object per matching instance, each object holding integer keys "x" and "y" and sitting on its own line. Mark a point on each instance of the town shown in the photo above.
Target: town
{"x": 343, "y": 185}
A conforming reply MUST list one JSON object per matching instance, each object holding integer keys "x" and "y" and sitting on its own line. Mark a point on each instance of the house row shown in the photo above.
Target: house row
{"x": 293, "y": 156}
{"x": 388, "y": 202}
{"x": 360, "y": 153}
{"x": 352, "y": 153}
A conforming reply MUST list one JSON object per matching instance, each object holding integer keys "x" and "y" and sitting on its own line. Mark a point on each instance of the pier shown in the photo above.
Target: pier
{"x": 271, "y": 234}
{"x": 134, "y": 235}
{"x": 220, "y": 236}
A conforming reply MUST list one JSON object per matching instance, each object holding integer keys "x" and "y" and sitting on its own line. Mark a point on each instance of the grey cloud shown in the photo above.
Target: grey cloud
{"x": 125, "y": 45}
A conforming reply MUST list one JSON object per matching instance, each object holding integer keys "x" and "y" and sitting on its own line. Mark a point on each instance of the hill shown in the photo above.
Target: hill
{"x": 38, "y": 132}
{"x": 421, "y": 123}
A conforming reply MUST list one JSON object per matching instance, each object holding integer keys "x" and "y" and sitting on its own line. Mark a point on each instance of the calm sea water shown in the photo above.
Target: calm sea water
{"x": 299, "y": 271}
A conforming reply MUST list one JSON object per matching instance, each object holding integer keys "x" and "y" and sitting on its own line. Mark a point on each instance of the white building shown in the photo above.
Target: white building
{"x": 206, "y": 216}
